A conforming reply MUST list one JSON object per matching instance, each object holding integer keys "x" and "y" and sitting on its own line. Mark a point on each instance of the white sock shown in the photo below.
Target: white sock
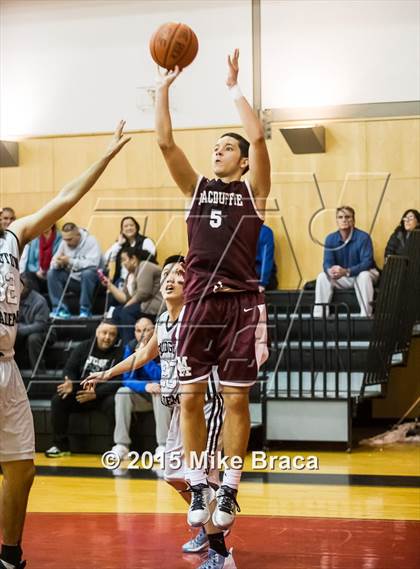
{"x": 232, "y": 477}
{"x": 196, "y": 476}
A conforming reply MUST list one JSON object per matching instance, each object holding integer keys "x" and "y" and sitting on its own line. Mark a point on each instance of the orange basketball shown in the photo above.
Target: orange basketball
{"x": 173, "y": 44}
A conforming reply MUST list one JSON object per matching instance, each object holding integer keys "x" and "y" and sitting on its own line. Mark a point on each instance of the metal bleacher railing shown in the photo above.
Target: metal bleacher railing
{"x": 410, "y": 307}
{"x": 388, "y": 321}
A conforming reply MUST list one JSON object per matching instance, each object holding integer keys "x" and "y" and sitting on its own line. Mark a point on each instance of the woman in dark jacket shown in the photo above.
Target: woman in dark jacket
{"x": 130, "y": 236}
{"x": 397, "y": 243}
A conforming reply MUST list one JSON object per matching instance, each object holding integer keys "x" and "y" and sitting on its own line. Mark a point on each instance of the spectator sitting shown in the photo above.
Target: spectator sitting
{"x": 397, "y": 243}
{"x": 87, "y": 357}
{"x": 265, "y": 263}
{"x": 32, "y": 329}
{"x": 130, "y": 236}
{"x": 36, "y": 258}
{"x": 140, "y": 295}
{"x": 141, "y": 392}
{"x": 77, "y": 259}
{"x": 7, "y": 217}
{"x": 348, "y": 263}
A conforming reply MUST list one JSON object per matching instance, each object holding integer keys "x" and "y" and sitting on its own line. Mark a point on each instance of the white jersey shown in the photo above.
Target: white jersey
{"x": 169, "y": 383}
{"x": 10, "y": 290}
{"x": 167, "y": 335}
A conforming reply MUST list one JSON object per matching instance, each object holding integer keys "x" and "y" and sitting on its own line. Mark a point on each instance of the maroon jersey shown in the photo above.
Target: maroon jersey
{"x": 223, "y": 228}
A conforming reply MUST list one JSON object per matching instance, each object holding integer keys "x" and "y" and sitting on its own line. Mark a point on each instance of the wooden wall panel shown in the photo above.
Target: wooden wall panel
{"x": 35, "y": 172}
{"x": 394, "y": 146}
{"x": 353, "y": 170}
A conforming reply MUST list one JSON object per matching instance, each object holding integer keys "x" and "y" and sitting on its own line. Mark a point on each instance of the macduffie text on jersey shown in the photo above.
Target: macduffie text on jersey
{"x": 222, "y": 198}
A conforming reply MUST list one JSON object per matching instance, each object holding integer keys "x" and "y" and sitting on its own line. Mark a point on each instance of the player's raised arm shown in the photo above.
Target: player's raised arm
{"x": 29, "y": 227}
{"x": 138, "y": 359}
{"x": 181, "y": 170}
{"x": 259, "y": 161}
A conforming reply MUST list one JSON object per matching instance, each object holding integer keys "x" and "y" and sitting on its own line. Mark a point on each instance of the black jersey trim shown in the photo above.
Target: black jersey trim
{"x": 15, "y": 236}
{"x": 172, "y": 326}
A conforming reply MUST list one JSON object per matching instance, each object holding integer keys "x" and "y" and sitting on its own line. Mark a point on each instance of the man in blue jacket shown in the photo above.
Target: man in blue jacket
{"x": 265, "y": 264}
{"x": 140, "y": 393}
{"x": 348, "y": 263}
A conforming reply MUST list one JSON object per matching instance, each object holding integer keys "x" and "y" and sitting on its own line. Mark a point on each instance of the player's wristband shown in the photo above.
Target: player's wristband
{"x": 235, "y": 92}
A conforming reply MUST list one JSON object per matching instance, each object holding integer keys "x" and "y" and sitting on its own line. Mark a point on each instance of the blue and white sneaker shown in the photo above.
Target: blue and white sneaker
{"x": 199, "y": 542}
{"x": 217, "y": 561}
{"x": 61, "y": 313}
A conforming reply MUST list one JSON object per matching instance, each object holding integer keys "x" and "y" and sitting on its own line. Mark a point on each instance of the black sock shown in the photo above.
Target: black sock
{"x": 217, "y": 543}
{"x": 11, "y": 554}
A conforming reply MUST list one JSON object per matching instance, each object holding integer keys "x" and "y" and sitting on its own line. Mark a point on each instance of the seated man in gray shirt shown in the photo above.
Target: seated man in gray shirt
{"x": 73, "y": 268}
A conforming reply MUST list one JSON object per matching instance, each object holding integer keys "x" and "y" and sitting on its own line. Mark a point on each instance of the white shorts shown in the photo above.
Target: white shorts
{"x": 213, "y": 412}
{"x": 17, "y": 436}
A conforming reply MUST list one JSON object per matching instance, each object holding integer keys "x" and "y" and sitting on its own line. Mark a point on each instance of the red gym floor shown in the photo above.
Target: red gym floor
{"x": 149, "y": 541}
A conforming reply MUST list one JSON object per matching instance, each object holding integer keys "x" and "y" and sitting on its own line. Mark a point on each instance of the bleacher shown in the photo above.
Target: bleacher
{"x": 88, "y": 431}
{"x": 321, "y": 369}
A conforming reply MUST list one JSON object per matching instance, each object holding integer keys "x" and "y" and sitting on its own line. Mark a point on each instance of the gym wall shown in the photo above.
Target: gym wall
{"x": 360, "y": 154}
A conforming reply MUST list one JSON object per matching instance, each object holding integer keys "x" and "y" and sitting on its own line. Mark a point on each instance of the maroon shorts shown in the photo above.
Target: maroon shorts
{"x": 227, "y": 330}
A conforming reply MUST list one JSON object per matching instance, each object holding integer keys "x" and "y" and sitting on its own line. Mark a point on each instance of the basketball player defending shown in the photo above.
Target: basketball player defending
{"x": 17, "y": 440}
{"x": 163, "y": 343}
{"x": 224, "y": 320}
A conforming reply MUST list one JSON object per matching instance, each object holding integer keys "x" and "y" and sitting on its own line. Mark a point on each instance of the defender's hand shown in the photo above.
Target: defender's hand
{"x": 233, "y": 69}
{"x": 117, "y": 141}
{"x": 93, "y": 379}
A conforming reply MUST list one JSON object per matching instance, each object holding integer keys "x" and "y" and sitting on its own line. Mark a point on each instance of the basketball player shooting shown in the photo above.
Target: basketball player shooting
{"x": 223, "y": 323}
{"x": 17, "y": 439}
{"x": 163, "y": 343}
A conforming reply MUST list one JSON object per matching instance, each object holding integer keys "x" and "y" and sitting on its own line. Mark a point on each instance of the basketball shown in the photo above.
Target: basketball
{"x": 173, "y": 44}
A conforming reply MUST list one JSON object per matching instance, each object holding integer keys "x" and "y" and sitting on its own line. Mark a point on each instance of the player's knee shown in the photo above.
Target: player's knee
{"x": 192, "y": 402}
{"x": 21, "y": 474}
{"x": 29, "y": 475}
{"x": 236, "y": 402}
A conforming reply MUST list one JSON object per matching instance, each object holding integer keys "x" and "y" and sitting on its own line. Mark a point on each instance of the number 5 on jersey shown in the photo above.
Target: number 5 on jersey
{"x": 216, "y": 218}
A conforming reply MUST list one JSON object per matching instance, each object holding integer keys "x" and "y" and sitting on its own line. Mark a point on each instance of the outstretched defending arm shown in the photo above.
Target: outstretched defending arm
{"x": 181, "y": 170}
{"x": 29, "y": 227}
{"x": 136, "y": 360}
{"x": 259, "y": 161}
